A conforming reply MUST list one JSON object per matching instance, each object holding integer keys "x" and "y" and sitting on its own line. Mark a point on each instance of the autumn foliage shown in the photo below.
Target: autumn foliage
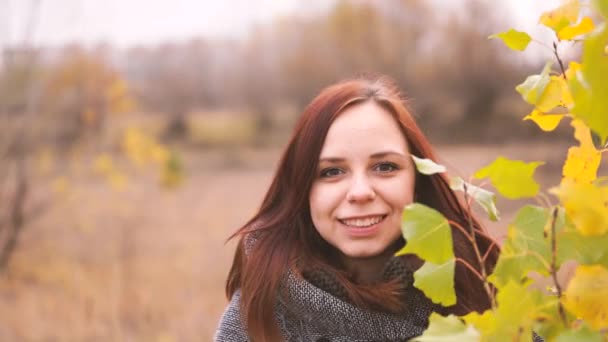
{"x": 568, "y": 224}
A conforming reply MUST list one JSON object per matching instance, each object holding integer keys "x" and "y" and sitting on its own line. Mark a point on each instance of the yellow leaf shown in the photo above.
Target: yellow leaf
{"x": 512, "y": 178}
{"x": 586, "y": 205}
{"x": 569, "y": 32}
{"x": 135, "y": 144}
{"x": 566, "y": 98}
{"x": 582, "y": 133}
{"x": 583, "y": 161}
{"x": 556, "y": 93}
{"x": 587, "y": 295}
{"x": 515, "y": 40}
{"x": 158, "y": 153}
{"x": 562, "y": 16}
{"x": 60, "y": 185}
{"x": 581, "y": 165}
{"x": 117, "y": 89}
{"x": 546, "y": 122}
{"x": 117, "y": 180}
{"x": 103, "y": 164}
{"x": 142, "y": 148}
{"x": 573, "y": 68}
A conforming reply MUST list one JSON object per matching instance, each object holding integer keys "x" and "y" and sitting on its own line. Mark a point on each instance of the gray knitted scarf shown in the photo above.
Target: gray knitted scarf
{"x": 315, "y": 308}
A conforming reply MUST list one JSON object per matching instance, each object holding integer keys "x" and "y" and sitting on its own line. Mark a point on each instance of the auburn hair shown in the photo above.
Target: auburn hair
{"x": 281, "y": 236}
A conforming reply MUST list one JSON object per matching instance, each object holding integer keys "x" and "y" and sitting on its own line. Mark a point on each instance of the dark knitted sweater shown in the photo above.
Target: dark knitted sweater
{"x": 316, "y": 309}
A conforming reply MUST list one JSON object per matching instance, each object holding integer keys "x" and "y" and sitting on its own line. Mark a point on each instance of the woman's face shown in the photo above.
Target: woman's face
{"x": 365, "y": 178}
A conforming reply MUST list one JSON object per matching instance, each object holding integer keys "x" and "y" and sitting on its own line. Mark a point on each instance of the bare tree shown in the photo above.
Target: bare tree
{"x": 19, "y": 114}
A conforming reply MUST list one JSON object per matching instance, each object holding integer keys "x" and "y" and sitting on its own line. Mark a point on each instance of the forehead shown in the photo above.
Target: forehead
{"x": 366, "y": 128}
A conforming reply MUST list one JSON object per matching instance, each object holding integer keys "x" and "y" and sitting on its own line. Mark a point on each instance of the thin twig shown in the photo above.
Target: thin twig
{"x": 543, "y": 200}
{"x": 559, "y": 60}
{"x": 482, "y": 265}
{"x": 466, "y": 233}
{"x": 541, "y": 43}
{"x": 558, "y": 287}
{"x": 485, "y": 256}
{"x": 471, "y": 268}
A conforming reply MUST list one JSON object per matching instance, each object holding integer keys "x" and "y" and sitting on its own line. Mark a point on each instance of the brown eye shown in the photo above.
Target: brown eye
{"x": 386, "y": 167}
{"x": 331, "y": 172}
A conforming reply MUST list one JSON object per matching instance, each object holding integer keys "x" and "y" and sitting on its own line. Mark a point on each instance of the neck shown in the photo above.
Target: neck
{"x": 365, "y": 270}
{"x": 369, "y": 270}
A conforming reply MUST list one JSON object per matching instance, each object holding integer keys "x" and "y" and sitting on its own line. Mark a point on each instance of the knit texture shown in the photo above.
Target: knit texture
{"x": 315, "y": 309}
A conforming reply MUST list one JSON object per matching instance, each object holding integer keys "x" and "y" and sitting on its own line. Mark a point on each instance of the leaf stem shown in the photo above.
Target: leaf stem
{"x": 542, "y": 44}
{"x": 471, "y": 268}
{"x": 543, "y": 199}
{"x": 559, "y": 60}
{"x": 558, "y": 287}
{"x": 485, "y": 256}
{"x": 473, "y": 240}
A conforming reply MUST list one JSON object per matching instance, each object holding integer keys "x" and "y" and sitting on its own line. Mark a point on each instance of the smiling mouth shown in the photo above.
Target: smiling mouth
{"x": 363, "y": 222}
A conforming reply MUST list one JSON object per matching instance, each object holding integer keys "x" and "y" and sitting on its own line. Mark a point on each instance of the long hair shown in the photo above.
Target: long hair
{"x": 281, "y": 236}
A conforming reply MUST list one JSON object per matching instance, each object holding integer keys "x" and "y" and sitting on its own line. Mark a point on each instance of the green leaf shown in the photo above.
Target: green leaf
{"x": 581, "y": 334}
{"x": 589, "y": 87}
{"x": 526, "y": 249}
{"x": 486, "y": 199}
{"x": 437, "y": 282}
{"x": 587, "y": 250}
{"x": 512, "y": 178}
{"x": 533, "y": 87}
{"x": 515, "y": 40}
{"x": 427, "y": 234}
{"x": 602, "y": 7}
{"x": 518, "y": 308}
{"x": 448, "y": 329}
{"x": 427, "y": 166}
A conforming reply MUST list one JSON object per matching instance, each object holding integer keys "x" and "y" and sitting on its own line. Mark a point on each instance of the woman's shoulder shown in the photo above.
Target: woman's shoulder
{"x": 231, "y": 328}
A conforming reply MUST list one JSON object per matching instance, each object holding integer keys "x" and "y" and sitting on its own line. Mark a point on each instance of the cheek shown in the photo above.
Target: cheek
{"x": 323, "y": 199}
{"x": 316, "y": 202}
{"x": 399, "y": 193}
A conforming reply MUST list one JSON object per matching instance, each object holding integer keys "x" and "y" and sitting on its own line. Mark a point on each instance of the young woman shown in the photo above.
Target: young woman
{"x": 317, "y": 263}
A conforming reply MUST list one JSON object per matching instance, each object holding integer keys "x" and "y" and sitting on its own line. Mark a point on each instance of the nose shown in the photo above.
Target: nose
{"x": 361, "y": 190}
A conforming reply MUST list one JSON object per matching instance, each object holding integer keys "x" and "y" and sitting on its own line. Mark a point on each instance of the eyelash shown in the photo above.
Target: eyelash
{"x": 393, "y": 166}
{"x": 325, "y": 173}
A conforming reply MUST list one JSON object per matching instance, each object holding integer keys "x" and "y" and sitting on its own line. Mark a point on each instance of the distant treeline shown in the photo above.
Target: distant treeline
{"x": 460, "y": 85}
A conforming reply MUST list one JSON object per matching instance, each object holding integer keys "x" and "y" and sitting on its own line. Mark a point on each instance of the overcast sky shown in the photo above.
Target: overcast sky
{"x": 127, "y": 22}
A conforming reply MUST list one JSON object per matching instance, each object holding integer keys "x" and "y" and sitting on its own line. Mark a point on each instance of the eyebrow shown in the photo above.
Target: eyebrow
{"x": 377, "y": 155}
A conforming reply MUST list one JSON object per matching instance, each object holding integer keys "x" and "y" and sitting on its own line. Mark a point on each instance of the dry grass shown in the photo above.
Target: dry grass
{"x": 148, "y": 264}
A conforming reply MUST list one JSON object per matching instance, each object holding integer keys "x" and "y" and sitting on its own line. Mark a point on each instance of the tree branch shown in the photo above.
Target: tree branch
{"x": 558, "y": 287}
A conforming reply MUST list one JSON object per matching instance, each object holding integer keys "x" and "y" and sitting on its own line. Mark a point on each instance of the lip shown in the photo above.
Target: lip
{"x": 361, "y": 216}
{"x": 363, "y": 232}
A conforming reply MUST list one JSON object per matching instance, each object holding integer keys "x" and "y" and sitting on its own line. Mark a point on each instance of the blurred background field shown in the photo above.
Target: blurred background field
{"x": 126, "y": 162}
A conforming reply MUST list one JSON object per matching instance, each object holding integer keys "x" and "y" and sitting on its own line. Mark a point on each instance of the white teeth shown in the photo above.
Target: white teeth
{"x": 363, "y": 222}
